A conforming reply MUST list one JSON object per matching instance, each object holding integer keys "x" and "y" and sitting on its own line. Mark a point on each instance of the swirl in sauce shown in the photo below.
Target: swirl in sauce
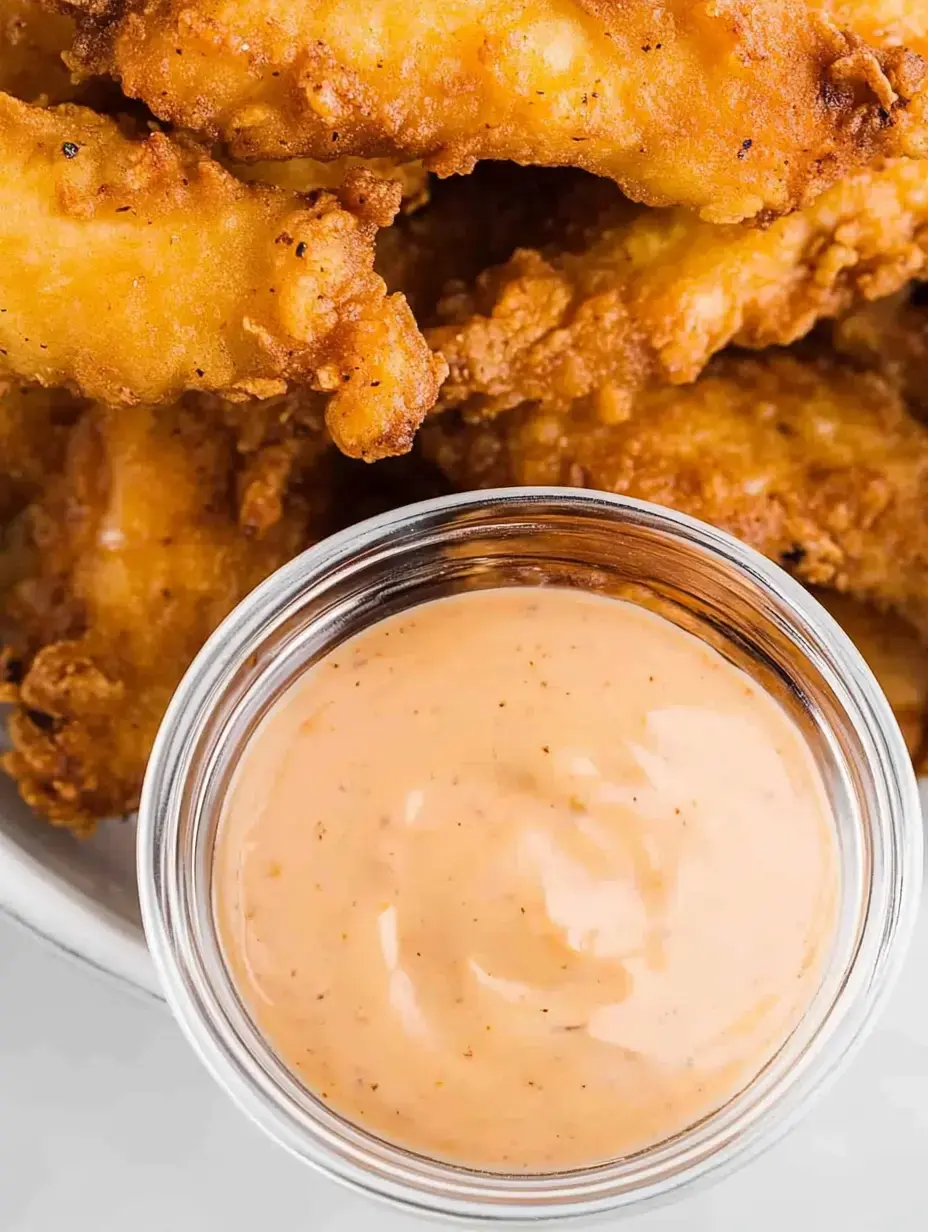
{"x": 526, "y": 879}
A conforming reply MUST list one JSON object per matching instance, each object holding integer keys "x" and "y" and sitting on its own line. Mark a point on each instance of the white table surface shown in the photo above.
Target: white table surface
{"x": 108, "y": 1124}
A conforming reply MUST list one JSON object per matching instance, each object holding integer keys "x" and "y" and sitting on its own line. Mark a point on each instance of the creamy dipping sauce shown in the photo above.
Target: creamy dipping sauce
{"x": 526, "y": 879}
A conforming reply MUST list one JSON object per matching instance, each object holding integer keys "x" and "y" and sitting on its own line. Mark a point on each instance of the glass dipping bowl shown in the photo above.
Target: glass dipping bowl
{"x": 698, "y": 577}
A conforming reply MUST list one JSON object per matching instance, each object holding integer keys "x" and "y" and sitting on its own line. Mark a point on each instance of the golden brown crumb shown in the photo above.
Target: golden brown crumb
{"x": 475, "y": 221}
{"x": 738, "y": 110}
{"x": 653, "y": 294}
{"x": 305, "y": 175}
{"x": 817, "y": 466}
{"x": 34, "y": 427}
{"x": 32, "y": 43}
{"x": 171, "y": 275}
{"x": 896, "y": 655}
{"x": 156, "y": 524}
{"x": 890, "y": 336}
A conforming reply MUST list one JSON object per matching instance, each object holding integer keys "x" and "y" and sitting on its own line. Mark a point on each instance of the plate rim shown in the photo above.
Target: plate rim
{"x": 72, "y": 921}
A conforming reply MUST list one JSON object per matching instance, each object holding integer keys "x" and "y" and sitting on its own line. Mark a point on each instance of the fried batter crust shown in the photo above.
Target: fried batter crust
{"x": 888, "y": 23}
{"x": 134, "y": 270}
{"x": 157, "y": 524}
{"x": 736, "y": 108}
{"x": 32, "y": 43}
{"x": 896, "y": 655}
{"x": 305, "y": 175}
{"x": 819, "y": 467}
{"x": 653, "y": 294}
{"x": 34, "y": 428}
{"x": 472, "y": 222}
{"x": 890, "y": 336}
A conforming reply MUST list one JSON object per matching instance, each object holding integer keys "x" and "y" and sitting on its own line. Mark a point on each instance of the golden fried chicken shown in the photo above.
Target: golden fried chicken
{"x": 134, "y": 270}
{"x": 470, "y": 222}
{"x": 816, "y": 465}
{"x": 888, "y": 23}
{"x": 34, "y": 428}
{"x": 305, "y": 175}
{"x": 890, "y": 336}
{"x": 896, "y": 655}
{"x": 735, "y": 108}
{"x": 653, "y": 294}
{"x": 475, "y": 221}
{"x": 156, "y": 525}
{"x": 32, "y": 41}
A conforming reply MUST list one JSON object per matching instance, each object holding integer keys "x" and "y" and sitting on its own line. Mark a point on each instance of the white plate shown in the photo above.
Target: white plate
{"x": 79, "y": 894}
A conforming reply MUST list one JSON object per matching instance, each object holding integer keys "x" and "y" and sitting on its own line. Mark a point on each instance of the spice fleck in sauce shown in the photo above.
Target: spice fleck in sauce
{"x": 526, "y": 879}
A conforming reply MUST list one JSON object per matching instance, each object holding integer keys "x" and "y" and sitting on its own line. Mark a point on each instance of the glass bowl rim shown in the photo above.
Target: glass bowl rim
{"x": 782, "y": 1106}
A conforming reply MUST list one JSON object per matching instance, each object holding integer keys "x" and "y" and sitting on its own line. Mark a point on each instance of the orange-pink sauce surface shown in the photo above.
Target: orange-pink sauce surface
{"x": 526, "y": 879}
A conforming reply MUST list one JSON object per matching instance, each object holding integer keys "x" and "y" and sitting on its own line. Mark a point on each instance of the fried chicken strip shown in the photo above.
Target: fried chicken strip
{"x": 34, "y": 428}
{"x": 819, "y": 467}
{"x": 158, "y": 522}
{"x": 32, "y": 43}
{"x": 306, "y": 175}
{"x": 891, "y": 336}
{"x": 133, "y": 270}
{"x": 653, "y": 294}
{"x": 896, "y": 655}
{"x": 888, "y": 23}
{"x": 735, "y": 108}
{"x": 475, "y": 221}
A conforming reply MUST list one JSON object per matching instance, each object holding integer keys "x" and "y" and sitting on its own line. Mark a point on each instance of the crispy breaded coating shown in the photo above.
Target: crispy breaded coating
{"x": 157, "y": 524}
{"x": 305, "y": 175}
{"x": 816, "y": 465}
{"x": 653, "y": 294}
{"x": 896, "y": 655}
{"x": 32, "y": 42}
{"x": 134, "y": 270}
{"x": 34, "y": 428}
{"x": 475, "y": 221}
{"x": 889, "y": 23}
{"x": 736, "y": 109}
{"x": 890, "y": 336}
